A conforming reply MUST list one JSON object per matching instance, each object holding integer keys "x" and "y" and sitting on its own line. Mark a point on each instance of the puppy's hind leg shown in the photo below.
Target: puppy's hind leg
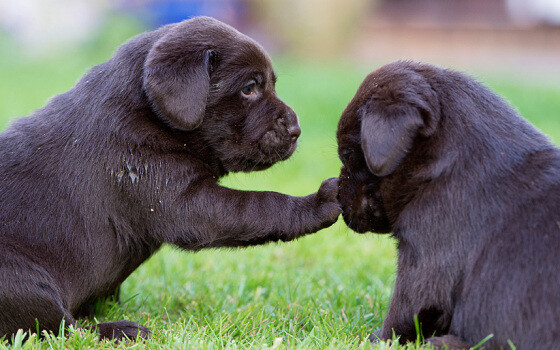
{"x": 34, "y": 307}
{"x": 29, "y": 297}
{"x": 31, "y": 300}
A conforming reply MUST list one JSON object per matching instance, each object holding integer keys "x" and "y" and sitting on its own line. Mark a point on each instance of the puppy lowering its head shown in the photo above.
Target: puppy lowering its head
{"x": 471, "y": 192}
{"x": 95, "y": 182}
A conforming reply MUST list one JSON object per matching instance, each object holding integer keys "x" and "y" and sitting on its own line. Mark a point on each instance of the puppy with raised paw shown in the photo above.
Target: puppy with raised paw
{"x": 471, "y": 192}
{"x": 95, "y": 182}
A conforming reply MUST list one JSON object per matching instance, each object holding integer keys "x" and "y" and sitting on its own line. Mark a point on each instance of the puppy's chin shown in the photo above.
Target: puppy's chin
{"x": 261, "y": 160}
{"x": 362, "y": 224}
{"x": 248, "y": 166}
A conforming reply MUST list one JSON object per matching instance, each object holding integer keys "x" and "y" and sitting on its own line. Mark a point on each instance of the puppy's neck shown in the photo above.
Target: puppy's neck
{"x": 193, "y": 144}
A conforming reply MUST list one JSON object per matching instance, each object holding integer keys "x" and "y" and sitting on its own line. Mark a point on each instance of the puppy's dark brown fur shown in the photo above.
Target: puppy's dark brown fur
{"x": 95, "y": 182}
{"x": 471, "y": 192}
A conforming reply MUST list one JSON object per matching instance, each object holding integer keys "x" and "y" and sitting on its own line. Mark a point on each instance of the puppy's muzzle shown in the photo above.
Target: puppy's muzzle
{"x": 289, "y": 122}
{"x": 362, "y": 206}
{"x": 280, "y": 141}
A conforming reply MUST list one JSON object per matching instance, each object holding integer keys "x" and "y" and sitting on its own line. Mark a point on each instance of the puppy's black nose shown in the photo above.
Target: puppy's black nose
{"x": 294, "y": 131}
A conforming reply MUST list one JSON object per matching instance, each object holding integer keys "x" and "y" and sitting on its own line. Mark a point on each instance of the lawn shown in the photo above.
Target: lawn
{"x": 327, "y": 290}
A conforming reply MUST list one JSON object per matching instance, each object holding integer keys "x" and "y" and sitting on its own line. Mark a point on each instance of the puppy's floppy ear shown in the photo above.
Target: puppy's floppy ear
{"x": 387, "y": 136}
{"x": 177, "y": 81}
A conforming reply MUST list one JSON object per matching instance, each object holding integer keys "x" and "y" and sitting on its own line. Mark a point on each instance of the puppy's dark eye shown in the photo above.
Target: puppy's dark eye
{"x": 250, "y": 90}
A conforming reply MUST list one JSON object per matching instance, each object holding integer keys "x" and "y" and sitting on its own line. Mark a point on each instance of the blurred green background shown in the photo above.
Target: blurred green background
{"x": 325, "y": 290}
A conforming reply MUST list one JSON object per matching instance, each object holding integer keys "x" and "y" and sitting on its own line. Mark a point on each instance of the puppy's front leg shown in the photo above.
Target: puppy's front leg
{"x": 406, "y": 304}
{"x": 398, "y": 321}
{"x": 222, "y": 217}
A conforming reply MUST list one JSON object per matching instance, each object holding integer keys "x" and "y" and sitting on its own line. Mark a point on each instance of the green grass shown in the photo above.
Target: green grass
{"x": 327, "y": 290}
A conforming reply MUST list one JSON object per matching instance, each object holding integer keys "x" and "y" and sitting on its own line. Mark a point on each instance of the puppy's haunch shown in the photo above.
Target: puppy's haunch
{"x": 471, "y": 191}
{"x": 95, "y": 182}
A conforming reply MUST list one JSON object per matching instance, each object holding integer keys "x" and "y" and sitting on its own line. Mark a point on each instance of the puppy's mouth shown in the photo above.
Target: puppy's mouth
{"x": 256, "y": 165}
{"x": 277, "y": 146}
{"x": 367, "y": 223}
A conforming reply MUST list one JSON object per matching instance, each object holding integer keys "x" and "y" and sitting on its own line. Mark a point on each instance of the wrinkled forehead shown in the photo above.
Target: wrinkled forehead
{"x": 348, "y": 126}
{"x": 248, "y": 54}
{"x": 236, "y": 51}
{"x": 350, "y": 120}
{"x": 247, "y": 61}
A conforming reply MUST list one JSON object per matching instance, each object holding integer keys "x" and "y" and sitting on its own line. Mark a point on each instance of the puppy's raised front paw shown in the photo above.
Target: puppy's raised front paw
{"x": 328, "y": 208}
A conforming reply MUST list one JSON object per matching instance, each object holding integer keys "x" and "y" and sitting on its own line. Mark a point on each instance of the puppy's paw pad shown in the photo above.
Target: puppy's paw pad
{"x": 121, "y": 330}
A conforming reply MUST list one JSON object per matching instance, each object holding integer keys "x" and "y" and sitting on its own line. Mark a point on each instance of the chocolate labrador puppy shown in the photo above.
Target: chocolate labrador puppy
{"x": 471, "y": 192}
{"x": 95, "y": 182}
